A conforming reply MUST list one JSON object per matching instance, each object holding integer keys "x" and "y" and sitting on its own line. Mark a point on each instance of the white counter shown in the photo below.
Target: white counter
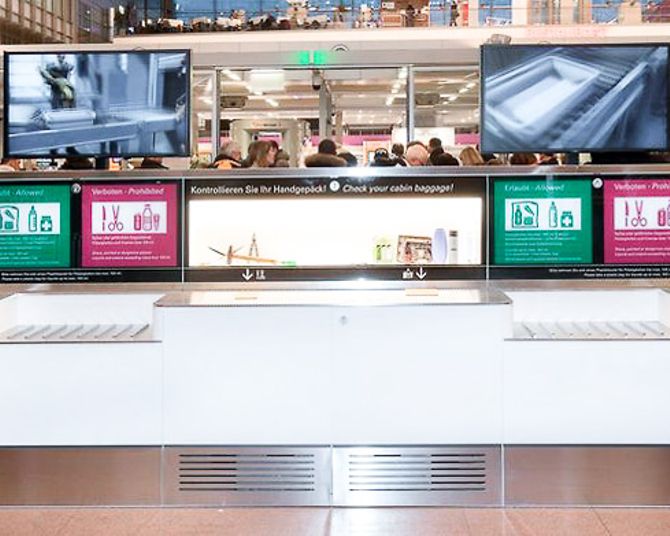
{"x": 332, "y": 367}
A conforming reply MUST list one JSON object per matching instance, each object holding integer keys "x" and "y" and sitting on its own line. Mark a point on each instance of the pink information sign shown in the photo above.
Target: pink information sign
{"x": 129, "y": 225}
{"x": 637, "y": 221}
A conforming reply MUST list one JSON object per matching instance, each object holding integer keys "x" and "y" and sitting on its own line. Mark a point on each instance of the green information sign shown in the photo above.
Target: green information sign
{"x": 35, "y": 226}
{"x": 542, "y": 221}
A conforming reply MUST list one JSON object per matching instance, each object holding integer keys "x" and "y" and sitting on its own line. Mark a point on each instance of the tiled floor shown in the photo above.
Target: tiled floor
{"x": 335, "y": 522}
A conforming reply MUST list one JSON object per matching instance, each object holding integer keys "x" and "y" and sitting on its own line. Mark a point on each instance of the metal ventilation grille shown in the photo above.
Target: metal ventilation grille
{"x": 416, "y": 475}
{"x": 248, "y": 475}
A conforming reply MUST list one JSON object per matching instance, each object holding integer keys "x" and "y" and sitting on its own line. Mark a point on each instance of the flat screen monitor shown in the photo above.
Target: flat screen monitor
{"x": 600, "y": 98}
{"x": 97, "y": 104}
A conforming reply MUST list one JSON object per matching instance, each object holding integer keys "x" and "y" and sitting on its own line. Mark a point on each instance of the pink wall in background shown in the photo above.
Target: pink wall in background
{"x": 467, "y": 139}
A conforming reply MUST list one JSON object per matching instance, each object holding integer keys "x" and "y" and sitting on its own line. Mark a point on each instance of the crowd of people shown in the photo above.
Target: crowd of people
{"x": 263, "y": 154}
{"x": 268, "y": 154}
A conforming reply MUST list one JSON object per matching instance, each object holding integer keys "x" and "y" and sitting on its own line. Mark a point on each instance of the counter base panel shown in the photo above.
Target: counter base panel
{"x": 587, "y": 475}
{"x": 428, "y": 475}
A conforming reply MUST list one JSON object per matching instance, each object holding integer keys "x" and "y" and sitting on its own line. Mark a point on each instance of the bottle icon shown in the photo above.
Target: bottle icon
{"x": 518, "y": 217}
{"x": 147, "y": 222}
{"x": 137, "y": 222}
{"x": 662, "y": 217}
{"x": 32, "y": 220}
{"x": 553, "y": 215}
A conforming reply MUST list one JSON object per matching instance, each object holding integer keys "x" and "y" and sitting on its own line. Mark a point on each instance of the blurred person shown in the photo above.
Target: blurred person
{"x": 153, "y": 162}
{"x": 349, "y": 158}
{"x": 416, "y": 142}
{"x": 523, "y": 159}
{"x": 230, "y": 157}
{"x": 261, "y": 154}
{"x": 446, "y": 159}
{"x": 398, "y": 150}
{"x": 548, "y": 159}
{"x": 471, "y": 157}
{"x": 417, "y": 155}
{"x": 382, "y": 158}
{"x": 326, "y": 156}
{"x": 282, "y": 160}
{"x": 453, "y": 14}
{"x": 434, "y": 155}
{"x": 10, "y": 164}
{"x": 434, "y": 143}
{"x": 77, "y": 162}
{"x": 495, "y": 162}
{"x": 246, "y": 161}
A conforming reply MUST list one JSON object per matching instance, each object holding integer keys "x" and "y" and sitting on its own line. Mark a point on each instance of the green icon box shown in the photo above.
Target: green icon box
{"x": 542, "y": 221}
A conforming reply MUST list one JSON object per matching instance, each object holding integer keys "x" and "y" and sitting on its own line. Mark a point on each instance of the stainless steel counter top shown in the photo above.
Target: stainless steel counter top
{"x": 346, "y": 298}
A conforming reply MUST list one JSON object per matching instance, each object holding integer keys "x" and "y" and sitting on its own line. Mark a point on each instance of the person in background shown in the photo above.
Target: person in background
{"x": 495, "y": 162}
{"x": 77, "y": 162}
{"x": 471, "y": 157}
{"x": 548, "y": 159}
{"x": 523, "y": 159}
{"x": 434, "y": 143}
{"x": 434, "y": 155}
{"x": 398, "y": 150}
{"x": 446, "y": 159}
{"x": 349, "y": 158}
{"x": 417, "y": 142}
{"x": 261, "y": 154}
{"x": 152, "y": 162}
{"x": 383, "y": 159}
{"x": 417, "y": 155}
{"x": 10, "y": 164}
{"x": 326, "y": 156}
{"x": 453, "y": 14}
{"x": 246, "y": 162}
{"x": 229, "y": 158}
{"x": 282, "y": 160}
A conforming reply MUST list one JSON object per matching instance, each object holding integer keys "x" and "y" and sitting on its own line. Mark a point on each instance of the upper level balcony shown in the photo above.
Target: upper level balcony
{"x": 266, "y": 15}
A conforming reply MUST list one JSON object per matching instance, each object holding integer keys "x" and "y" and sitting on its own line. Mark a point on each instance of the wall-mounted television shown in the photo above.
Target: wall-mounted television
{"x": 97, "y": 104}
{"x": 574, "y": 98}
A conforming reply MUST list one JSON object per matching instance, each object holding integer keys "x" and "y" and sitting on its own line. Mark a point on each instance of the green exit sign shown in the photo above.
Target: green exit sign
{"x": 313, "y": 57}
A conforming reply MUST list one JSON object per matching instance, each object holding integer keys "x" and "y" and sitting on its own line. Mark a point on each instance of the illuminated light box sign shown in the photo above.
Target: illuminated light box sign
{"x": 35, "y": 226}
{"x": 542, "y": 222}
{"x": 406, "y": 228}
{"x": 637, "y": 221}
{"x": 129, "y": 225}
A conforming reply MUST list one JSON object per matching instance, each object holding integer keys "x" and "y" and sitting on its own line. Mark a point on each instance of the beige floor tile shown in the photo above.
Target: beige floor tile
{"x": 555, "y": 522}
{"x": 398, "y": 522}
{"x": 636, "y": 521}
{"x": 489, "y": 522}
{"x": 79, "y": 522}
{"x": 245, "y": 522}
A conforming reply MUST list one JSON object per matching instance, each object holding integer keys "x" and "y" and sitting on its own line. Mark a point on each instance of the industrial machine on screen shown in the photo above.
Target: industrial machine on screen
{"x": 574, "y": 98}
{"x": 97, "y": 104}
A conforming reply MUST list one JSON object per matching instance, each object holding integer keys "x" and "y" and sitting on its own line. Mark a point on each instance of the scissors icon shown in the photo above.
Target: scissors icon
{"x": 115, "y": 224}
{"x": 639, "y": 220}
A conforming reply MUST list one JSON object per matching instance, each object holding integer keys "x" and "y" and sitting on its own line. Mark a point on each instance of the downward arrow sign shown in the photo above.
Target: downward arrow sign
{"x": 421, "y": 274}
{"x": 247, "y": 275}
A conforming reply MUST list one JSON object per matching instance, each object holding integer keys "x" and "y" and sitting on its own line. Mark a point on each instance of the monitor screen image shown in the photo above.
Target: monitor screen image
{"x": 97, "y": 104}
{"x": 574, "y": 98}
